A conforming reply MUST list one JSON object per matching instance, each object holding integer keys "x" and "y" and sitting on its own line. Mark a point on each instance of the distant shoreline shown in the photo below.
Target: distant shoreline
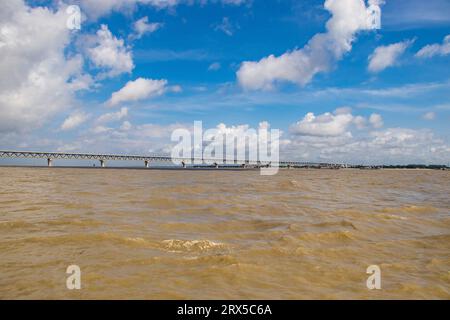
{"x": 162, "y": 168}
{"x": 133, "y": 168}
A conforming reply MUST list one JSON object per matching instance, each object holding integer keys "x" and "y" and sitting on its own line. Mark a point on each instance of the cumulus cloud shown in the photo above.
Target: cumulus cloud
{"x": 113, "y": 116}
{"x": 100, "y": 129}
{"x": 376, "y": 120}
{"x": 319, "y": 54}
{"x": 324, "y": 125}
{"x": 139, "y": 89}
{"x": 334, "y": 124}
{"x": 360, "y": 122}
{"x": 37, "y": 78}
{"x": 142, "y": 27}
{"x": 409, "y": 145}
{"x": 429, "y": 115}
{"x": 110, "y": 53}
{"x": 369, "y": 146}
{"x": 241, "y": 142}
{"x": 435, "y": 49}
{"x": 150, "y": 137}
{"x": 126, "y": 125}
{"x": 74, "y": 120}
{"x": 144, "y": 139}
{"x": 387, "y": 56}
{"x": 331, "y": 137}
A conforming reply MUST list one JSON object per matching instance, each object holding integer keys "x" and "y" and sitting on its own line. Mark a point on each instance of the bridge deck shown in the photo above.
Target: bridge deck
{"x": 150, "y": 158}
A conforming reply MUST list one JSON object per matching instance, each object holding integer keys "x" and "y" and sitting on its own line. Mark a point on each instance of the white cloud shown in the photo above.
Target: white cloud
{"x": 234, "y": 2}
{"x": 241, "y": 139}
{"x": 214, "y": 66}
{"x": 100, "y": 129}
{"x": 226, "y": 26}
{"x": 429, "y": 115}
{"x": 98, "y": 8}
{"x": 389, "y": 146}
{"x": 319, "y": 55}
{"x": 113, "y": 116}
{"x": 137, "y": 139}
{"x": 376, "y": 120}
{"x": 435, "y": 49}
{"x": 360, "y": 122}
{"x": 175, "y": 89}
{"x": 408, "y": 144}
{"x": 330, "y": 137}
{"x": 110, "y": 53}
{"x": 387, "y": 56}
{"x": 126, "y": 125}
{"x": 142, "y": 26}
{"x": 324, "y": 125}
{"x": 138, "y": 89}
{"x": 145, "y": 138}
{"x": 37, "y": 79}
{"x": 74, "y": 120}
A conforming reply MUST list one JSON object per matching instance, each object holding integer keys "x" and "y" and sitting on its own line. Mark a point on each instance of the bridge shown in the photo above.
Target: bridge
{"x": 103, "y": 158}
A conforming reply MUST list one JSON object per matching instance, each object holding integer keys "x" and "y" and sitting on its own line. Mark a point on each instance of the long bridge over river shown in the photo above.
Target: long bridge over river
{"x": 146, "y": 160}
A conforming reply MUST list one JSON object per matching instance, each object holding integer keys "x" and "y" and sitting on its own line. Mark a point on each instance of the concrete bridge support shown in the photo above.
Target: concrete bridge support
{"x": 50, "y": 162}
{"x": 102, "y": 163}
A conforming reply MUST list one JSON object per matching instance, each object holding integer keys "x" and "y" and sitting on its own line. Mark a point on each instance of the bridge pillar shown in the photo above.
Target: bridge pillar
{"x": 102, "y": 163}
{"x": 146, "y": 163}
{"x": 50, "y": 162}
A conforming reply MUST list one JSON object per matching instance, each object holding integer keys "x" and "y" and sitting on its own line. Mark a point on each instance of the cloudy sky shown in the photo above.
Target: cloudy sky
{"x": 340, "y": 89}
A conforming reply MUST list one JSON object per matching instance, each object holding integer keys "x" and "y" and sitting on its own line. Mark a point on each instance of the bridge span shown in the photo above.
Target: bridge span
{"x": 103, "y": 158}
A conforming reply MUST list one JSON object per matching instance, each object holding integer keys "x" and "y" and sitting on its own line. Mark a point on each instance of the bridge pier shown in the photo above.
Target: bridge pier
{"x": 50, "y": 162}
{"x": 102, "y": 163}
{"x": 147, "y": 163}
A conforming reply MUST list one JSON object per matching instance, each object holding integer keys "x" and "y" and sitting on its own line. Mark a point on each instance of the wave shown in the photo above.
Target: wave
{"x": 410, "y": 209}
{"x": 341, "y": 223}
{"x": 191, "y": 245}
{"x": 15, "y": 224}
{"x": 327, "y": 236}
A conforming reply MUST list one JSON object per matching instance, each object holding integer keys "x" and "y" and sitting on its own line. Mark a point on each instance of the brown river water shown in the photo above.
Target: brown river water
{"x": 155, "y": 234}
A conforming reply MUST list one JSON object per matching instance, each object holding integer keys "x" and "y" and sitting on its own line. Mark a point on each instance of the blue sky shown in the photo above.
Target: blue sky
{"x": 376, "y": 95}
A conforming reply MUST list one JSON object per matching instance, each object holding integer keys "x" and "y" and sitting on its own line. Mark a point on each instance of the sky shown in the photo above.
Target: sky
{"x": 339, "y": 87}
